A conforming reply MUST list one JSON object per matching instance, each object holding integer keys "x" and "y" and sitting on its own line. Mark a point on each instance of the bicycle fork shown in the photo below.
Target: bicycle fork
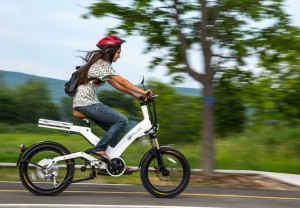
{"x": 154, "y": 143}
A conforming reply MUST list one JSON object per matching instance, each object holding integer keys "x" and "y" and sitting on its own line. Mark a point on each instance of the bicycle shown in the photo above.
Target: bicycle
{"x": 48, "y": 168}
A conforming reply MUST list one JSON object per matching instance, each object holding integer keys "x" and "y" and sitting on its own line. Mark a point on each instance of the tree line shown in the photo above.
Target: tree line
{"x": 242, "y": 100}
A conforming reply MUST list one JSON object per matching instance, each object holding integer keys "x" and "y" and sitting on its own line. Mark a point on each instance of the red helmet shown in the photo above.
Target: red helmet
{"x": 110, "y": 40}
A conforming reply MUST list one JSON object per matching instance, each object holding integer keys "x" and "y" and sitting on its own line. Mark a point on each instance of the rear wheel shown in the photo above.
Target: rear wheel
{"x": 39, "y": 179}
{"x": 170, "y": 180}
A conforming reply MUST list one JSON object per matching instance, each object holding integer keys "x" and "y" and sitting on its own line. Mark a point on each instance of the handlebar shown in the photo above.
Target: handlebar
{"x": 144, "y": 99}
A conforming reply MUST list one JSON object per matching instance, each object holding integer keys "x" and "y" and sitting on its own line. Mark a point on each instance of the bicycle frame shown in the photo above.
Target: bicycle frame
{"x": 142, "y": 128}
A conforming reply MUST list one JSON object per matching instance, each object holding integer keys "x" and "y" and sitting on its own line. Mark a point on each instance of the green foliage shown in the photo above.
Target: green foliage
{"x": 8, "y": 106}
{"x": 230, "y": 108}
{"x": 178, "y": 116}
{"x": 33, "y": 101}
{"x": 117, "y": 99}
{"x": 27, "y": 103}
{"x": 238, "y": 28}
{"x": 273, "y": 100}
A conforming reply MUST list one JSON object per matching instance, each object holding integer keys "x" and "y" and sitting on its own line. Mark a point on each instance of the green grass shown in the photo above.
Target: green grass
{"x": 270, "y": 149}
{"x": 9, "y": 149}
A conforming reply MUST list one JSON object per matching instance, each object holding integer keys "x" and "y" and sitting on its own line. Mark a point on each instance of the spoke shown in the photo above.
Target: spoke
{"x": 29, "y": 162}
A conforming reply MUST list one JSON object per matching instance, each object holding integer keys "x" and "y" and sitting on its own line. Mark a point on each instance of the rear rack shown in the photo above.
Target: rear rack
{"x": 55, "y": 124}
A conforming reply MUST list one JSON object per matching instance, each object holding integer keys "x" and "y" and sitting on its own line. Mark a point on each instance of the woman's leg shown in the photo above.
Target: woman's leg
{"x": 108, "y": 119}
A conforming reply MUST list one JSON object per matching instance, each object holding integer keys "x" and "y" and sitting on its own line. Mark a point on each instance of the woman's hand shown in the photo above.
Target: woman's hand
{"x": 148, "y": 94}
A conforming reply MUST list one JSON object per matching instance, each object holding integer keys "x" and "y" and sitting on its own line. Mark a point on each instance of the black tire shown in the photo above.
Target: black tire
{"x": 164, "y": 185}
{"x": 36, "y": 180}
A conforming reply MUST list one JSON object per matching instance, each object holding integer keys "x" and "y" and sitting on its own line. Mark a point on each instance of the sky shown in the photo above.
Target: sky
{"x": 44, "y": 37}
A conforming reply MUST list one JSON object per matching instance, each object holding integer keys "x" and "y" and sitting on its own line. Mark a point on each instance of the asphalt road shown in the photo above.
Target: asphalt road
{"x": 129, "y": 196}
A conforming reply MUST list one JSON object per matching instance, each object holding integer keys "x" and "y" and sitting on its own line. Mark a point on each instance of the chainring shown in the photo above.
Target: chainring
{"x": 118, "y": 167}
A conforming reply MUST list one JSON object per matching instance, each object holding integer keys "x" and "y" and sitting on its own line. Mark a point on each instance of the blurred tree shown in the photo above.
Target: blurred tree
{"x": 273, "y": 100}
{"x": 2, "y": 83}
{"x": 117, "y": 99}
{"x": 66, "y": 109}
{"x": 231, "y": 111}
{"x": 290, "y": 88}
{"x": 8, "y": 106}
{"x": 224, "y": 31}
{"x": 176, "y": 115}
{"x": 33, "y": 101}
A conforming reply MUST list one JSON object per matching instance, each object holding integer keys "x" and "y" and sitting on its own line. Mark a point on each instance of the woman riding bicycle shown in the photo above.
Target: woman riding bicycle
{"x": 98, "y": 65}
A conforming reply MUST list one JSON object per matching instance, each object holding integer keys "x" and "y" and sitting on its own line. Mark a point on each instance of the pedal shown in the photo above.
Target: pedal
{"x": 102, "y": 158}
{"x": 129, "y": 171}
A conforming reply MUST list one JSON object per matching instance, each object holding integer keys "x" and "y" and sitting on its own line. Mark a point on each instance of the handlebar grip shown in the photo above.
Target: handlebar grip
{"x": 142, "y": 98}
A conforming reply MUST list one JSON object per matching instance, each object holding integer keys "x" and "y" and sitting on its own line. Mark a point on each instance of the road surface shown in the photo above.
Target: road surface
{"x": 132, "y": 196}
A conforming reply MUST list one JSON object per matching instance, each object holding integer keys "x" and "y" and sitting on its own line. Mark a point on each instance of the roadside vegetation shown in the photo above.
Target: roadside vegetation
{"x": 270, "y": 149}
{"x": 257, "y": 125}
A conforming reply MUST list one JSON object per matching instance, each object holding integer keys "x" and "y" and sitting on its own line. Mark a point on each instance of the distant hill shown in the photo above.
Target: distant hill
{"x": 56, "y": 86}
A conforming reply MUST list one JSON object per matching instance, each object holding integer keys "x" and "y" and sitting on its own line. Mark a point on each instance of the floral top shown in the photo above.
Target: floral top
{"x": 87, "y": 93}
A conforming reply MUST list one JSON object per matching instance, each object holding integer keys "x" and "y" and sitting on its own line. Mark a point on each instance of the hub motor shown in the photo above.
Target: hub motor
{"x": 45, "y": 174}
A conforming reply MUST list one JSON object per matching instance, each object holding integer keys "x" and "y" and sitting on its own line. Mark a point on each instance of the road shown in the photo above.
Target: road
{"x": 129, "y": 196}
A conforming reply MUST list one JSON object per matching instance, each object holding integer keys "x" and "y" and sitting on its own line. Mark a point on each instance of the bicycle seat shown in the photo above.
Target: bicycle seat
{"x": 78, "y": 114}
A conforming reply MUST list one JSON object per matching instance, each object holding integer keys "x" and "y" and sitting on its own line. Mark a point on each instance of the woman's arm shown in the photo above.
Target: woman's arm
{"x": 123, "y": 89}
{"x": 129, "y": 86}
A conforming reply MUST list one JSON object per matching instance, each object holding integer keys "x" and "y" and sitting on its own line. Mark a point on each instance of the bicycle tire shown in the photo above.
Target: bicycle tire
{"x": 168, "y": 185}
{"x": 36, "y": 180}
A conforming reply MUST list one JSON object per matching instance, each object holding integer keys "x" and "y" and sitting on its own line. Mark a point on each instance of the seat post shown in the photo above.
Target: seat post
{"x": 88, "y": 124}
{"x": 80, "y": 115}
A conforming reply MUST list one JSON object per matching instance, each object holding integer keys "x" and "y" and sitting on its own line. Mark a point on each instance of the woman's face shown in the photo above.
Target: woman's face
{"x": 117, "y": 55}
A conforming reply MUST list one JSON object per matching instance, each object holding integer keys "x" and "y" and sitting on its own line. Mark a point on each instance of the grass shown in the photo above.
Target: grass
{"x": 268, "y": 149}
{"x": 271, "y": 149}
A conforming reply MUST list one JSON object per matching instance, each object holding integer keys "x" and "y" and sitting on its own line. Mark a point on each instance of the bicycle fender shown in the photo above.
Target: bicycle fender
{"x": 24, "y": 155}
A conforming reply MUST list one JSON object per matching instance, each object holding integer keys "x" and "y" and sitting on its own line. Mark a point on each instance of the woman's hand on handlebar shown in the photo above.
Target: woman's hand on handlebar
{"x": 148, "y": 94}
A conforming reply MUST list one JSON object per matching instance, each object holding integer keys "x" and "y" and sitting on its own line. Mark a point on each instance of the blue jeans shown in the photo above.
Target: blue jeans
{"x": 109, "y": 120}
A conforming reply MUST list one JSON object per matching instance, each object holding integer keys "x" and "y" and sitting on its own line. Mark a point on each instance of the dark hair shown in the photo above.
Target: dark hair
{"x": 93, "y": 56}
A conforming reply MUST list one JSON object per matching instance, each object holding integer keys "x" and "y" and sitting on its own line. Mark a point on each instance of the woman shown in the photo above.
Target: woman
{"x": 98, "y": 65}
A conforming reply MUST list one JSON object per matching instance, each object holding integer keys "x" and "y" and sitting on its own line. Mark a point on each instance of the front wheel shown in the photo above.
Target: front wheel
{"x": 39, "y": 179}
{"x": 165, "y": 173}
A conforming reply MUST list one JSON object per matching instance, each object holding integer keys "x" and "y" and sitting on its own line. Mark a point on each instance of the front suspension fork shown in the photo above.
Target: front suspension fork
{"x": 160, "y": 160}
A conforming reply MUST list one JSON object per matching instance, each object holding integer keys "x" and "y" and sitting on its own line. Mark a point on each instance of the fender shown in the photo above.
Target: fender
{"x": 154, "y": 152}
{"x": 23, "y": 156}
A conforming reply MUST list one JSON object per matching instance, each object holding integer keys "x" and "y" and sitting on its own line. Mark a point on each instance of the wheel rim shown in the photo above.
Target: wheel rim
{"x": 169, "y": 180}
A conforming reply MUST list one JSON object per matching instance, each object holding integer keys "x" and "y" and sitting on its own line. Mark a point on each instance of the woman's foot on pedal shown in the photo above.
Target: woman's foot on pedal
{"x": 103, "y": 156}
{"x": 129, "y": 171}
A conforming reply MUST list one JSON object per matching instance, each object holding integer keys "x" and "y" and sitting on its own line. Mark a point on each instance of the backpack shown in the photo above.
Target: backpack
{"x": 73, "y": 83}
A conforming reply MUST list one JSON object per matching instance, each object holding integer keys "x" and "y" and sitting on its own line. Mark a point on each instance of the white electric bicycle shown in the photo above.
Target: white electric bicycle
{"x": 48, "y": 168}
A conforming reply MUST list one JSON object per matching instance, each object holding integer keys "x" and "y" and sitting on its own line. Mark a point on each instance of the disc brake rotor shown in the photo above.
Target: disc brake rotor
{"x": 45, "y": 174}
